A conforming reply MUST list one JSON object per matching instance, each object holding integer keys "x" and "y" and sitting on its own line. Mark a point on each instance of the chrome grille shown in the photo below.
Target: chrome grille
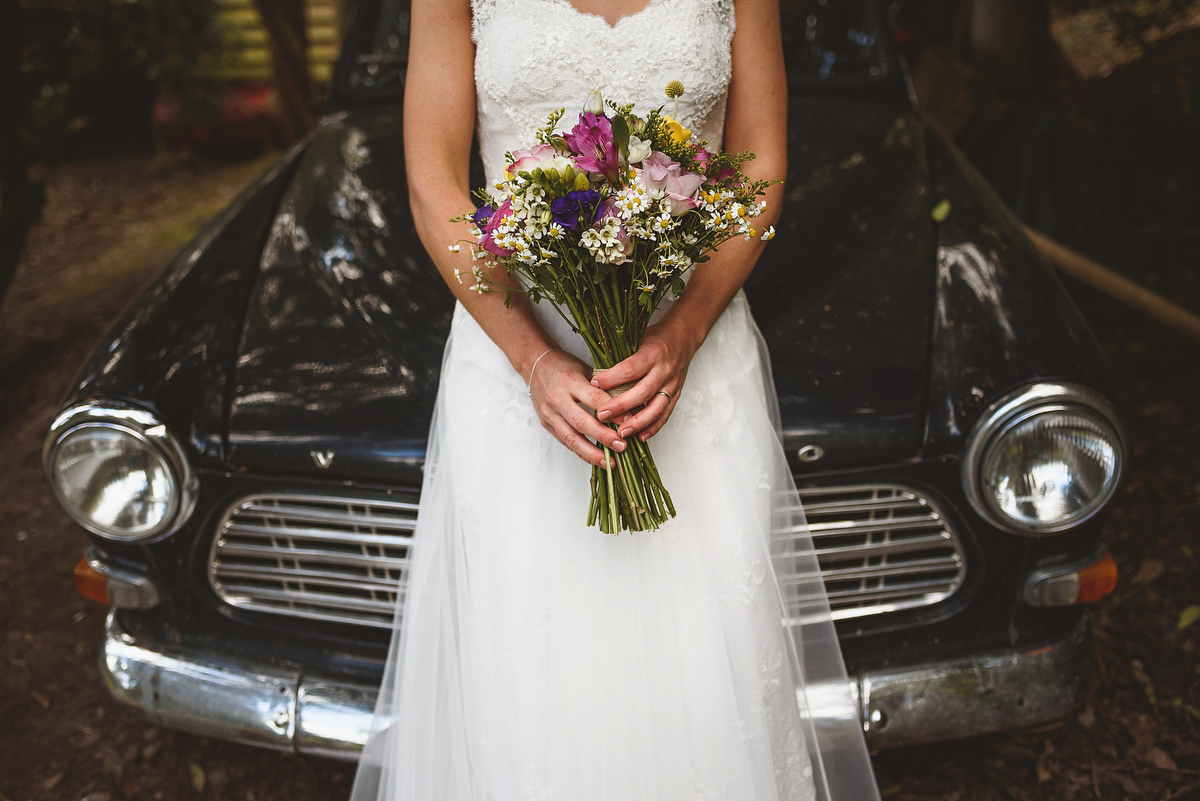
{"x": 881, "y": 547}
{"x": 324, "y": 558}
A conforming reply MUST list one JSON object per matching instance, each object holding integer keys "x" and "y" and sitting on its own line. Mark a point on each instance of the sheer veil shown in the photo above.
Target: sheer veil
{"x": 430, "y": 730}
{"x": 536, "y": 659}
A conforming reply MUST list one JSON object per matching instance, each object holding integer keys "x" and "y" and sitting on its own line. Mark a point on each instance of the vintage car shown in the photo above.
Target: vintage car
{"x": 245, "y": 446}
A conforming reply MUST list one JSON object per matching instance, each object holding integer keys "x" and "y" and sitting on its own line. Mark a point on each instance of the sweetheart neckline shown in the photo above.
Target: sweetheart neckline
{"x": 612, "y": 26}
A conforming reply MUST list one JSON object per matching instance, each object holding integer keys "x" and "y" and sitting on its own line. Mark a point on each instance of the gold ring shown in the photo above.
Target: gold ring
{"x": 665, "y": 395}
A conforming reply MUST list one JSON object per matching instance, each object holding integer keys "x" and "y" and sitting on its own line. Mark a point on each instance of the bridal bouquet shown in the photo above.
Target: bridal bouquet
{"x": 603, "y": 220}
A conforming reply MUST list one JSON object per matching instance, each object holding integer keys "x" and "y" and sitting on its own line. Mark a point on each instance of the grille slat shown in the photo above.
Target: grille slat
{"x": 311, "y": 555}
{"x": 308, "y": 578}
{"x": 318, "y": 599}
{"x": 881, "y": 547}
{"x": 398, "y": 515}
{"x": 325, "y": 535}
{"x": 870, "y": 549}
{"x": 835, "y": 528}
{"x": 865, "y": 504}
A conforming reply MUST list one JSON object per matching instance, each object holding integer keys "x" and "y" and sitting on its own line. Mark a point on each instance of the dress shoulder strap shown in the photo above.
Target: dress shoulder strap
{"x": 481, "y": 12}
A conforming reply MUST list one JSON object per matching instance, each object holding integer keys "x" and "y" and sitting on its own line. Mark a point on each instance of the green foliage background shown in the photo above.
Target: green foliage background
{"x": 93, "y": 68}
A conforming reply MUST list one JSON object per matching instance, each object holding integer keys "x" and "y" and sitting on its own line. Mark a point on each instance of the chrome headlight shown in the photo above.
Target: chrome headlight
{"x": 1044, "y": 458}
{"x": 118, "y": 472}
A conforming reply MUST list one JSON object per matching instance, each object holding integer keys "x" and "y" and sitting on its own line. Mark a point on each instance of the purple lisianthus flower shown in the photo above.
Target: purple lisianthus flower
{"x": 569, "y": 208}
{"x": 482, "y": 216}
{"x": 591, "y": 140}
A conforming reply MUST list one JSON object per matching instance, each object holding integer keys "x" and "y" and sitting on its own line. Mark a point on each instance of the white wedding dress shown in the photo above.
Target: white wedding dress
{"x": 538, "y": 659}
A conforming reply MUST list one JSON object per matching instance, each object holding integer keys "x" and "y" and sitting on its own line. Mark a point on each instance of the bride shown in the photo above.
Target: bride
{"x": 535, "y": 658}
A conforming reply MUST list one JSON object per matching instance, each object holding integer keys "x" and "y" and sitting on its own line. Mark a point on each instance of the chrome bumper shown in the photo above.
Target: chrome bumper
{"x": 289, "y": 709}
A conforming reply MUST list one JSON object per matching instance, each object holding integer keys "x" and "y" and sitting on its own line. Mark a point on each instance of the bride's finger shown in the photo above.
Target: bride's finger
{"x": 574, "y": 441}
{"x": 648, "y": 414}
{"x": 579, "y": 419}
{"x": 590, "y": 396}
{"x": 640, "y": 393}
{"x": 625, "y": 371}
{"x": 656, "y": 426}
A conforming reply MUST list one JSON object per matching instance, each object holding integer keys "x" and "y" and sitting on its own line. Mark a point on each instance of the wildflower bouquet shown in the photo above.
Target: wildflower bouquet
{"x": 603, "y": 221}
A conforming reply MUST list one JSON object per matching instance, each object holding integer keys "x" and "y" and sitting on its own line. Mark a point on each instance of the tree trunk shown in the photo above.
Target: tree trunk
{"x": 1009, "y": 40}
{"x": 285, "y": 24}
{"x": 20, "y": 198}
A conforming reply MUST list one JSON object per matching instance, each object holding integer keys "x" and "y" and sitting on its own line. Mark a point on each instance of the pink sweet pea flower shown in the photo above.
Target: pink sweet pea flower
{"x": 620, "y": 254}
{"x": 660, "y": 173}
{"x": 487, "y": 241}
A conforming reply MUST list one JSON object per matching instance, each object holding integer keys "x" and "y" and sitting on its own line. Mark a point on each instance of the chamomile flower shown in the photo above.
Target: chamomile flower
{"x": 769, "y": 233}
{"x": 454, "y": 248}
{"x": 663, "y": 223}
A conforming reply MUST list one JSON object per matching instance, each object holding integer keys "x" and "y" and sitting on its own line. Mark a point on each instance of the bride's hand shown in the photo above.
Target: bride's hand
{"x": 657, "y": 371}
{"x": 559, "y": 386}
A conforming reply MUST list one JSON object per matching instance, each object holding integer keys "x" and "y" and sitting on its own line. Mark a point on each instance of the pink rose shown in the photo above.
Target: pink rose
{"x": 666, "y": 176}
{"x": 528, "y": 159}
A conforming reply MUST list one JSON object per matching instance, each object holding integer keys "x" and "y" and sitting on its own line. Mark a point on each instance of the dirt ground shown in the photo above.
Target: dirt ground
{"x": 108, "y": 225}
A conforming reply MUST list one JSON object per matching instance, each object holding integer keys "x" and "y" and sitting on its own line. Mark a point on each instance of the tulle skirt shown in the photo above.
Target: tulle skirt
{"x": 537, "y": 659}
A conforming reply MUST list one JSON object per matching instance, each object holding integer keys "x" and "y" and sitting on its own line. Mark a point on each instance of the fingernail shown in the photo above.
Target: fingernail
{"x": 618, "y": 445}
{"x": 624, "y": 432}
{"x": 603, "y": 414}
{"x": 595, "y": 382}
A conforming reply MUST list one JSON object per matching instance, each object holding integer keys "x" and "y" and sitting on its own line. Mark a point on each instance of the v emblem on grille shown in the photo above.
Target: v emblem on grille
{"x": 322, "y": 459}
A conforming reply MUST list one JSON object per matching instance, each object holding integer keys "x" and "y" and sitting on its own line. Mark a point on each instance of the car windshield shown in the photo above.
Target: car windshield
{"x": 825, "y": 41}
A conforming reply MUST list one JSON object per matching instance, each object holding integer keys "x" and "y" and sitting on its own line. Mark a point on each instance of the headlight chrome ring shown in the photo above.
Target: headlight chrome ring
{"x": 126, "y": 433}
{"x": 1022, "y": 408}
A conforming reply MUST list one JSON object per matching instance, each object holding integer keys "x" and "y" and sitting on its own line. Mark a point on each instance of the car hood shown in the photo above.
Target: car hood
{"x": 341, "y": 347}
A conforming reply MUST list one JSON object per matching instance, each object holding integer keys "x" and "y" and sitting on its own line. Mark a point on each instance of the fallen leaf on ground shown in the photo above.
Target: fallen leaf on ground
{"x": 1158, "y": 758}
{"x": 1148, "y": 571}
{"x": 197, "y": 776}
{"x": 1189, "y": 616}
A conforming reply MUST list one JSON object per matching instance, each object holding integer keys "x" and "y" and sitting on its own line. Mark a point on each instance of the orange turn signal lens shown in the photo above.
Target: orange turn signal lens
{"x": 1097, "y": 580}
{"x": 1079, "y": 582}
{"x": 91, "y": 583}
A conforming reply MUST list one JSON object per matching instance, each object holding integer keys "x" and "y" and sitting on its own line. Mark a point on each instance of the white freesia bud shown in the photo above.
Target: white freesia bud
{"x": 559, "y": 163}
{"x": 594, "y": 104}
{"x": 638, "y": 149}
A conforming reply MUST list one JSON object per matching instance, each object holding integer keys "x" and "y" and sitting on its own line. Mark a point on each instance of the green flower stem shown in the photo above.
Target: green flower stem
{"x": 612, "y": 494}
{"x": 631, "y": 495}
{"x": 593, "y": 506}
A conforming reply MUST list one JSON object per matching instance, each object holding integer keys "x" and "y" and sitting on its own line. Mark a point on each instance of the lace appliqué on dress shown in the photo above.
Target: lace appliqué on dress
{"x": 541, "y": 55}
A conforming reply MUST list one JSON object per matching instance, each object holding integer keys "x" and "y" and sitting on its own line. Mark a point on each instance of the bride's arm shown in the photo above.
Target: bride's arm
{"x": 439, "y": 119}
{"x": 755, "y": 119}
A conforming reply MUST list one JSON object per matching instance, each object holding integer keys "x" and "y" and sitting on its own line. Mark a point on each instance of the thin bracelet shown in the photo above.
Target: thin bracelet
{"x": 535, "y": 364}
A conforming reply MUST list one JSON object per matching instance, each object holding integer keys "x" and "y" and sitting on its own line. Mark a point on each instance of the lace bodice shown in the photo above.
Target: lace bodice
{"x": 534, "y": 56}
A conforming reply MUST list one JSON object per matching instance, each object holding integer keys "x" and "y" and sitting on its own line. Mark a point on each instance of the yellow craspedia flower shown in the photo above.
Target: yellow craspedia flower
{"x": 678, "y": 132}
{"x": 674, "y": 89}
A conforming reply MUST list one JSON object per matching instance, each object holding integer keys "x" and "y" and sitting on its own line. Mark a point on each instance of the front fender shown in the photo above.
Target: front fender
{"x": 1001, "y": 316}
